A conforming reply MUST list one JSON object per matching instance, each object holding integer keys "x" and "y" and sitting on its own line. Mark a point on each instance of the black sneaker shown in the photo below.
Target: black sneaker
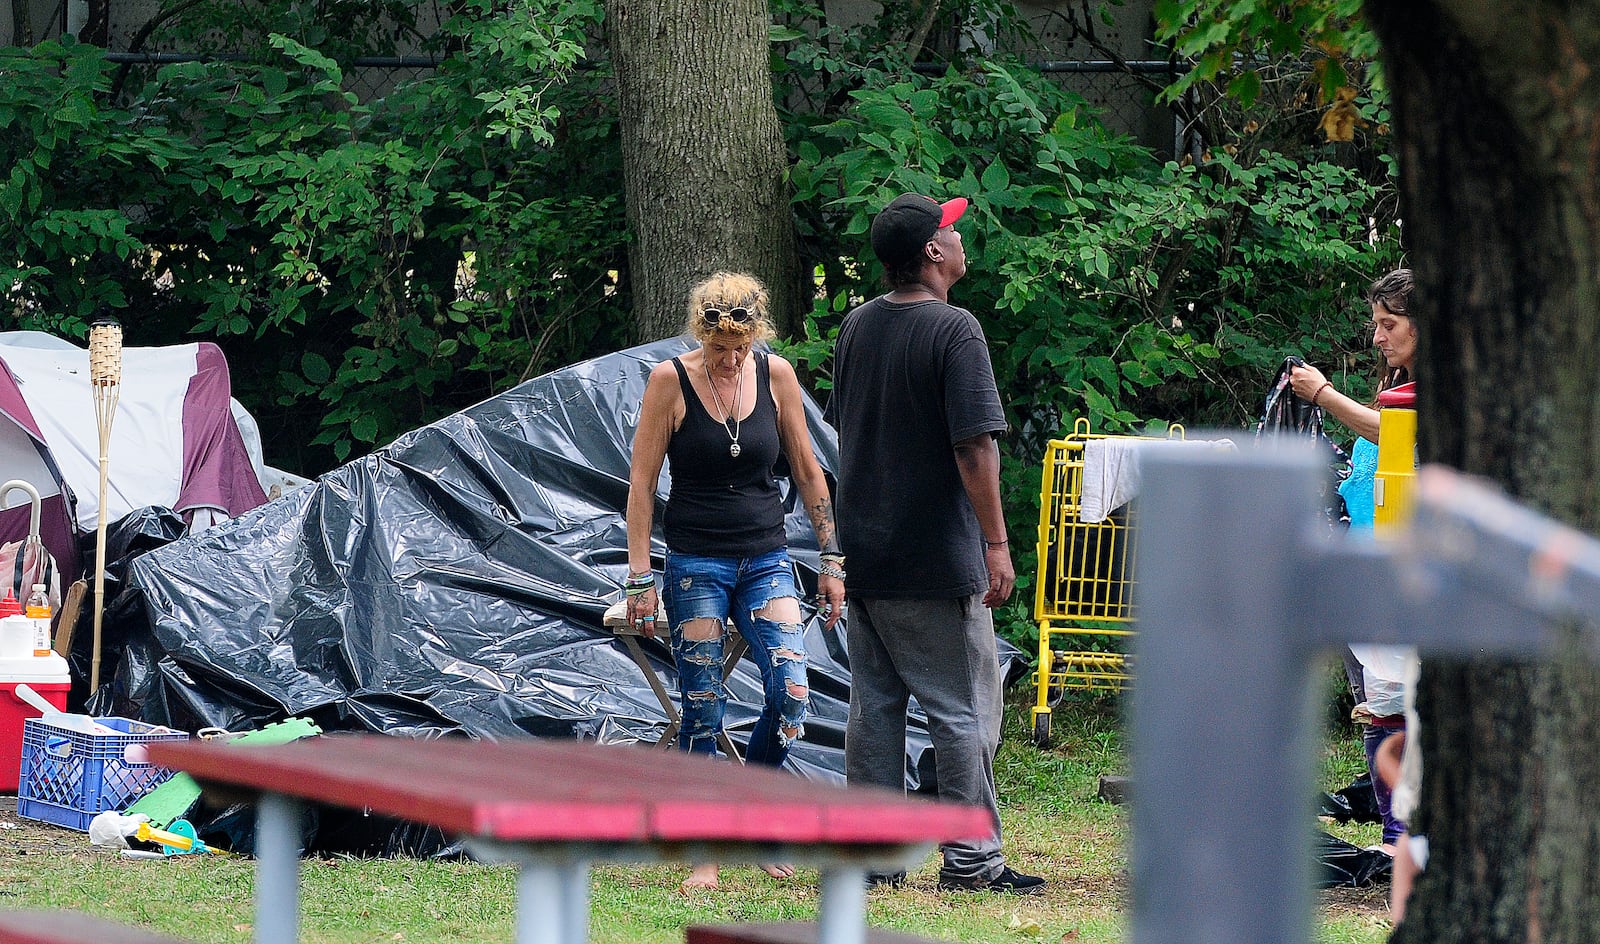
{"x": 886, "y": 879}
{"x": 1009, "y": 880}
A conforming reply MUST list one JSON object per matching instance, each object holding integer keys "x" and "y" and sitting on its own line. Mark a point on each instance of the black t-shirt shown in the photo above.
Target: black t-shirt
{"x": 721, "y": 505}
{"x": 910, "y": 380}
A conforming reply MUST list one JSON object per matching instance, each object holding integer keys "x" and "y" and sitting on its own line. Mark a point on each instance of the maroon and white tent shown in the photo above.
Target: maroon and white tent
{"x": 175, "y": 442}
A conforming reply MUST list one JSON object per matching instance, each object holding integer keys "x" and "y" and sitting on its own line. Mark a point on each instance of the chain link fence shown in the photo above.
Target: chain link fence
{"x": 1125, "y": 99}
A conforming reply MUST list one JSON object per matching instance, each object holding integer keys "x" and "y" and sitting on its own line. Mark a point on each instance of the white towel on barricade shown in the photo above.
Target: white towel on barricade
{"x": 1111, "y": 471}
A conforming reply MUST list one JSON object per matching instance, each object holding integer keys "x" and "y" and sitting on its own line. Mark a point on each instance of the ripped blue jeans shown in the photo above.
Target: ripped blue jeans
{"x": 718, "y": 588}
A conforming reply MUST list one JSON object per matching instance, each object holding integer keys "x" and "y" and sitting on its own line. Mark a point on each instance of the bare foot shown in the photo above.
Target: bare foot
{"x": 778, "y": 869}
{"x": 701, "y": 877}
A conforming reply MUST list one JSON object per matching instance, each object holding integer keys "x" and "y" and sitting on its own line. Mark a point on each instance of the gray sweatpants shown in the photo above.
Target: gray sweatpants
{"x": 943, "y": 653}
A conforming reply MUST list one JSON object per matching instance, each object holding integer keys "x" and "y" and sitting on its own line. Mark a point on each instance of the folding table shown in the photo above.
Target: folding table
{"x": 733, "y": 649}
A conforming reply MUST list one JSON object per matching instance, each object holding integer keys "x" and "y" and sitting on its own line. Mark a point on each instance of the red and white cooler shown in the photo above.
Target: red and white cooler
{"x": 46, "y": 675}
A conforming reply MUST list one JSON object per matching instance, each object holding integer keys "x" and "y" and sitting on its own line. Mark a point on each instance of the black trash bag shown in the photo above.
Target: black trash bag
{"x": 1286, "y": 414}
{"x": 138, "y": 532}
{"x": 1335, "y": 806}
{"x": 1343, "y": 865}
{"x": 328, "y": 831}
{"x": 1356, "y": 803}
{"x": 1361, "y": 800}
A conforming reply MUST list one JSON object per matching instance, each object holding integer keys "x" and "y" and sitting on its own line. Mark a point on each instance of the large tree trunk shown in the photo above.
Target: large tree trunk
{"x": 1497, "y": 112}
{"x": 702, "y": 154}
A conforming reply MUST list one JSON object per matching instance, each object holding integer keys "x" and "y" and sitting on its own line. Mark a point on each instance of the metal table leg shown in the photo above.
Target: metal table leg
{"x": 552, "y": 902}
{"x": 277, "y": 869}
{"x": 842, "y": 911}
{"x": 575, "y": 877}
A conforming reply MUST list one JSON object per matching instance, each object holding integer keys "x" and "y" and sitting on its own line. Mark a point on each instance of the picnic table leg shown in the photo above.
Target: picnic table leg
{"x": 842, "y": 911}
{"x": 277, "y": 869}
{"x": 576, "y": 879}
{"x": 552, "y": 902}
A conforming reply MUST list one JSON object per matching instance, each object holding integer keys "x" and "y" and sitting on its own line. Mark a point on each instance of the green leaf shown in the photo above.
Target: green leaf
{"x": 315, "y": 367}
{"x": 1245, "y": 87}
{"x": 365, "y": 429}
{"x": 995, "y": 177}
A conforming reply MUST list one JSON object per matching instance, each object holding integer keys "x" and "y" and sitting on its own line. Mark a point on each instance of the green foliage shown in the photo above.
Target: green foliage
{"x": 382, "y": 262}
{"x": 371, "y": 263}
{"x": 1111, "y": 285}
{"x": 1229, "y": 41}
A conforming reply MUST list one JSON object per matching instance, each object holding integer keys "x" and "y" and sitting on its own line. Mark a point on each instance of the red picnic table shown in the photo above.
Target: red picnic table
{"x": 553, "y": 807}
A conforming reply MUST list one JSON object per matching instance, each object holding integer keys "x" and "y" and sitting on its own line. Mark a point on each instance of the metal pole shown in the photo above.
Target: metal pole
{"x": 842, "y": 905}
{"x": 1223, "y": 703}
{"x": 277, "y": 869}
{"x": 541, "y": 905}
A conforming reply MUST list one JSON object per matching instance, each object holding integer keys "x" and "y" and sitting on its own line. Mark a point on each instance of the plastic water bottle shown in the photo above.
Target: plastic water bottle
{"x": 38, "y": 609}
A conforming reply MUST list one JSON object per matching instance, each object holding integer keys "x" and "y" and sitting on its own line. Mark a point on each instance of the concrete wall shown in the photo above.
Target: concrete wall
{"x": 46, "y": 18}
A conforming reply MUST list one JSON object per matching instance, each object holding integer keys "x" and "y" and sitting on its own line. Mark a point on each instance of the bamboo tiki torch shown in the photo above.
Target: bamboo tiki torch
{"x": 105, "y": 379}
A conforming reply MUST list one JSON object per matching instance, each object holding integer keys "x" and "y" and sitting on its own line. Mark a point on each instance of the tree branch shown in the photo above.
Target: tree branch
{"x": 919, "y": 36}
{"x": 137, "y": 42}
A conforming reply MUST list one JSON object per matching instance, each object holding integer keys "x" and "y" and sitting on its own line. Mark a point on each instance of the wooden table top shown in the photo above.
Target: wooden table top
{"x": 532, "y": 790}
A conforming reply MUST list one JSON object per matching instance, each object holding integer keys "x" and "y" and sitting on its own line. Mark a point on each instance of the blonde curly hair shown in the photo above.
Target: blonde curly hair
{"x": 727, "y": 290}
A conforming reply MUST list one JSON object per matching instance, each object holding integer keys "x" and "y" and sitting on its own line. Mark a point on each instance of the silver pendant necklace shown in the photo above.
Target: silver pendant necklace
{"x": 738, "y": 396}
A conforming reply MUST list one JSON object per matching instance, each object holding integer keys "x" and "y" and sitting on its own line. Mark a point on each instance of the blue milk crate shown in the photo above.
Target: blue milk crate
{"x": 68, "y": 777}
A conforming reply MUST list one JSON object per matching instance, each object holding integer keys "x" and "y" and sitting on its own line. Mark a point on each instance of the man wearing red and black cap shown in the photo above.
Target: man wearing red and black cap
{"x": 920, "y": 522}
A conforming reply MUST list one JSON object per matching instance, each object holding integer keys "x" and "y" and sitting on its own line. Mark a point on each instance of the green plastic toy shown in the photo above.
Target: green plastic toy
{"x": 174, "y": 799}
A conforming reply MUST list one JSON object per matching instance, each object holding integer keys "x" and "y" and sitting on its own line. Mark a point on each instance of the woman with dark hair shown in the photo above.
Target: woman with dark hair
{"x": 723, "y": 413}
{"x": 1376, "y": 683}
{"x": 1394, "y": 334}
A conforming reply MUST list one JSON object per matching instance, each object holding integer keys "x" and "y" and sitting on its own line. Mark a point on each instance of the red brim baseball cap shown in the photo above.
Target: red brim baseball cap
{"x": 951, "y": 211}
{"x": 902, "y": 228}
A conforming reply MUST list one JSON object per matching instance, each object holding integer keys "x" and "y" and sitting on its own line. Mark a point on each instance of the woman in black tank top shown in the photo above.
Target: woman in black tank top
{"x": 723, "y": 414}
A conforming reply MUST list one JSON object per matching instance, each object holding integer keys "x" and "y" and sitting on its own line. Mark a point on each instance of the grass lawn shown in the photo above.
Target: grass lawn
{"x": 1054, "y": 827}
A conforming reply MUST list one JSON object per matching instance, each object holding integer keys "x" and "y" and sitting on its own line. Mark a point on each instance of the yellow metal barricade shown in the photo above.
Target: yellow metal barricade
{"x": 1083, "y": 591}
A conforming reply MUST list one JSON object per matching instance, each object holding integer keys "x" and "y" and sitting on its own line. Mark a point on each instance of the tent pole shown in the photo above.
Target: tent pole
{"x": 105, "y": 378}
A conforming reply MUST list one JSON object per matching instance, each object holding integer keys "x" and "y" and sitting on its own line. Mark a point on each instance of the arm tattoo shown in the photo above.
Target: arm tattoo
{"x": 821, "y": 512}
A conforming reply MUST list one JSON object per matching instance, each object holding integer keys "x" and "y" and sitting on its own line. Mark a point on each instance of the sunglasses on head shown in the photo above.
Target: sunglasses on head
{"x": 714, "y": 316}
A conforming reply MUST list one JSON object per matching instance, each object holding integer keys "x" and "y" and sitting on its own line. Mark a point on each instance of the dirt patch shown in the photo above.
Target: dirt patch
{"x": 1370, "y": 902}
{"x": 20, "y": 836}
